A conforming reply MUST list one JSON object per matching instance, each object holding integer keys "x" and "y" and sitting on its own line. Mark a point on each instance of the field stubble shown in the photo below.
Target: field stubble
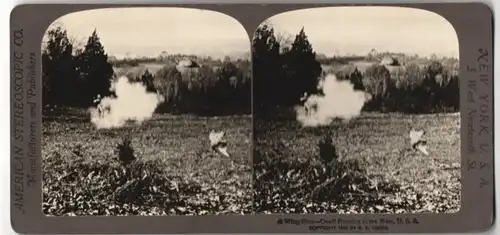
{"x": 378, "y": 172}
{"x": 174, "y": 174}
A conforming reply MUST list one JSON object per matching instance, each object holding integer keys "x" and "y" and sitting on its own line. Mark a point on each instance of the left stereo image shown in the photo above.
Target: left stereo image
{"x": 146, "y": 111}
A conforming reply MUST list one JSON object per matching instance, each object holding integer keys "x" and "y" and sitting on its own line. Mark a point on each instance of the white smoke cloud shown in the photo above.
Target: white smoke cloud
{"x": 132, "y": 103}
{"x": 340, "y": 100}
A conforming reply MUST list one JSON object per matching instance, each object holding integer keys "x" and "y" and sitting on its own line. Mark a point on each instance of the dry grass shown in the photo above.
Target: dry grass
{"x": 139, "y": 69}
{"x": 379, "y": 144}
{"x": 175, "y": 172}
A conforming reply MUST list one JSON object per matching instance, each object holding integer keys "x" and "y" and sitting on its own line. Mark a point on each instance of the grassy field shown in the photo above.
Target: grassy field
{"x": 362, "y": 65}
{"x": 378, "y": 172}
{"x": 139, "y": 70}
{"x": 175, "y": 172}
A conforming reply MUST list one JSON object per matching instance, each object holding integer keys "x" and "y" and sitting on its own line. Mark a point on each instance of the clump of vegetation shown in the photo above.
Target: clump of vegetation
{"x": 309, "y": 185}
{"x": 125, "y": 152}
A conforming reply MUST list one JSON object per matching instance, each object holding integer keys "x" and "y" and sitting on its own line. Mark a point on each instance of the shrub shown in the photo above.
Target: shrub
{"x": 125, "y": 152}
{"x": 205, "y": 91}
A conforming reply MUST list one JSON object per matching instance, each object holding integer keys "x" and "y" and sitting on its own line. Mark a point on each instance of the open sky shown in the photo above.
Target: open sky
{"x": 331, "y": 30}
{"x": 148, "y": 31}
{"x": 356, "y": 30}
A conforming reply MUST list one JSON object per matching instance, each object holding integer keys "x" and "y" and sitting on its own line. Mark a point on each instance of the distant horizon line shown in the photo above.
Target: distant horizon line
{"x": 233, "y": 55}
{"x": 201, "y": 55}
{"x": 347, "y": 55}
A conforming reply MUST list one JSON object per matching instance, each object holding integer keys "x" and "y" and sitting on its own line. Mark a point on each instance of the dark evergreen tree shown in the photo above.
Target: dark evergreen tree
{"x": 356, "y": 79}
{"x": 95, "y": 70}
{"x": 147, "y": 80}
{"x": 304, "y": 69}
{"x": 59, "y": 74}
{"x": 266, "y": 68}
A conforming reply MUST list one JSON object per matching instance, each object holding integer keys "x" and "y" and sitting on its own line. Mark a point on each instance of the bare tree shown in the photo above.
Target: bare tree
{"x": 284, "y": 39}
